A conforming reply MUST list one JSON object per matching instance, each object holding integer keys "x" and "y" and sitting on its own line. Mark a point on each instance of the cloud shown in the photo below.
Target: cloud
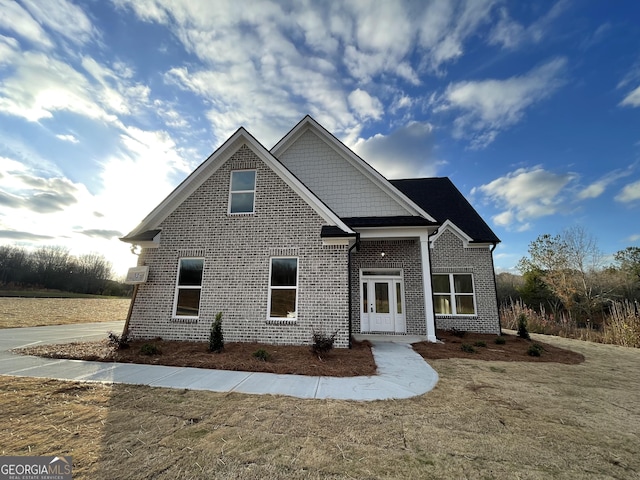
{"x": 404, "y": 153}
{"x": 364, "y": 105}
{"x": 98, "y": 233}
{"x": 18, "y": 20}
{"x": 597, "y": 188}
{"x": 63, "y": 17}
{"x": 632, "y": 99}
{"x": 630, "y": 193}
{"x": 67, "y": 138}
{"x": 525, "y": 194}
{"x": 38, "y": 194}
{"x": 490, "y": 106}
{"x": 16, "y": 235}
{"x": 510, "y": 34}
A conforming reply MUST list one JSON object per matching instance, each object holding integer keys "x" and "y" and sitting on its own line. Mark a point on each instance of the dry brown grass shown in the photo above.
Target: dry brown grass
{"x": 485, "y": 419}
{"x": 35, "y": 312}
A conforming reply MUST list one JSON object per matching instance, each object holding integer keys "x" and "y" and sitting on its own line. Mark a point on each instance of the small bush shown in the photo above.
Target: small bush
{"x": 149, "y": 349}
{"x": 480, "y": 343}
{"x": 458, "y": 333}
{"x": 117, "y": 341}
{"x": 500, "y": 340}
{"x": 535, "y": 350}
{"x": 262, "y": 354}
{"x": 323, "y": 343}
{"x": 216, "y": 339}
{"x": 465, "y": 347}
{"x": 522, "y": 327}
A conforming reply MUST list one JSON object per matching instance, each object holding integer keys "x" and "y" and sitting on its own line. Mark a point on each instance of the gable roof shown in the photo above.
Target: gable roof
{"x": 440, "y": 197}
{"x": 371, "y": 178}
{"x": 152, "y": 221}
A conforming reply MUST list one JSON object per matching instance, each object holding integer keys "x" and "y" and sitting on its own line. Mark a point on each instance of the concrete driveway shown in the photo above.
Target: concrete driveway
{"x": 402, "y": 373}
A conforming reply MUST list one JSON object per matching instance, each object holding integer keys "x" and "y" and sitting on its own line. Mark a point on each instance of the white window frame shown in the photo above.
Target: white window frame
{"x": 231, "y": 191}
{"x": 453, "y": 294}
{"x": 271, "y": 288}
{"x": 186, "y": 287}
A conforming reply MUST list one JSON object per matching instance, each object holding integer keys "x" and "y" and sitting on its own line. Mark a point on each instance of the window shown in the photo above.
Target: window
{"x": 453, "y": 294}
{"x": 283, "y": 288}
{"x": 188, "y": 287}
{"x": 242, "y": 191}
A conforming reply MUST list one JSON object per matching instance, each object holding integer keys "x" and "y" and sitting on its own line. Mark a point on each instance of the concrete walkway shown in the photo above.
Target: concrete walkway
{"x": 402, "y": 373}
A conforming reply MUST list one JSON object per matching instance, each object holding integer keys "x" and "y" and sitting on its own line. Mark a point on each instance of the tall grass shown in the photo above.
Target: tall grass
{"x": 621, "y": 326}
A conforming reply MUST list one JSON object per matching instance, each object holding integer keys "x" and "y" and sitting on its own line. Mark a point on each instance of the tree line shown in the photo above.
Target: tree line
{"x": 567, "y": 283}
{"x": 53, "y": 267}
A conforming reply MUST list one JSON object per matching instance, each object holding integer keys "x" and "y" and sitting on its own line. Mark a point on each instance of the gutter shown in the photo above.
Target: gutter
{"x": 495, "y": 287}
{"x": 356, "y": 245}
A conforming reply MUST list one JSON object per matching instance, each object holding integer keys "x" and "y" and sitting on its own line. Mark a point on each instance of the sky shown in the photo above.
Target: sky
{"x": 531, "y": 108}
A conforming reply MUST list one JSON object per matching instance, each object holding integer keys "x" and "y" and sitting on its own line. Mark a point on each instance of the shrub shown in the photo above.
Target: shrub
{"x": 117, "y": 341}
{"x": 149, "y": 349}
{"x": 216, "y": 339}
{"x": 262, "y": 354}
{"x": 465, "y": 347}
{"x": 458, "y": 333}
{"x": 323, "y": 343}
{"x": 522, "y": 327}
{"x": 480, "y": 343}
{"x": 500, "y": 340}
{"x": 535, "y": 350}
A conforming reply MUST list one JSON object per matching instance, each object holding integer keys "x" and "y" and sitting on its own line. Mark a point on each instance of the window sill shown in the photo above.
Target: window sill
{"x": 282, "y": 321}
{"x": 246, "y": 214}
{"x": 184, "y": 319}
{"x": 457, "y": 315}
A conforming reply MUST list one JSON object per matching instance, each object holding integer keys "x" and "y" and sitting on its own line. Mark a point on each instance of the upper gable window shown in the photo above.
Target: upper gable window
{"x": 242, "y": 191}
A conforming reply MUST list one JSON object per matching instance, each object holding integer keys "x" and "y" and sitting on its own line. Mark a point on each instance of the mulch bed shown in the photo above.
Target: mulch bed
{"x": 515, "y": 349}
{"x": 339, "y": 362}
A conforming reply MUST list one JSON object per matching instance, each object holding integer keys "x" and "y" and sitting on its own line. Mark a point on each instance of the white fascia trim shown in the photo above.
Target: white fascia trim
{"x": 214, "y": 162}
{"x": 448, "y": 225}
{"x": 389, "y": 233}
{"x": 360, "y": 164}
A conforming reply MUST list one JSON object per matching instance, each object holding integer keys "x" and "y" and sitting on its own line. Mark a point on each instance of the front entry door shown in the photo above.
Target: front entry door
{"x": 382, "y": 305}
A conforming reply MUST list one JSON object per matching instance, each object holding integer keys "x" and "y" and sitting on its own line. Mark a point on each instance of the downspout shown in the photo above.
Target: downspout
{"x": 495, "y": 287}
{"x": 356, "y": 245}
{"x": 435, "y": 319}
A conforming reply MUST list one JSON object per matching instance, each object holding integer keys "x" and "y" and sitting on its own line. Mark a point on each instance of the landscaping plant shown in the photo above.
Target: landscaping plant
{"x": 216, "y": 339}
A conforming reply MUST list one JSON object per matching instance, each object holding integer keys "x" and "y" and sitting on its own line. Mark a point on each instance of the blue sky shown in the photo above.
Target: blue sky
{"x": 531, "y": 108}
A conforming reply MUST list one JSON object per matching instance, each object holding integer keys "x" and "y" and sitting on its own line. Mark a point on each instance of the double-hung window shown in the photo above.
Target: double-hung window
{"x": 283, "y": 288}
{"x": 242, "y": 192}
{"x": 188, "y": 288}
{"x": 453, "y": 294}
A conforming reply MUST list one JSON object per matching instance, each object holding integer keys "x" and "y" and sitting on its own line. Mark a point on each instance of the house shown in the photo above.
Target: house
{"x": 309, "y": 237}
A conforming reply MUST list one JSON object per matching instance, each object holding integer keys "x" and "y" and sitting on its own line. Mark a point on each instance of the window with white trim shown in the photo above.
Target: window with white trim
{"x": 188, "y": 288}
{"x": 283, "y": 288}
{"x": 453, "y": 294}
{"x": 242, "y": 191}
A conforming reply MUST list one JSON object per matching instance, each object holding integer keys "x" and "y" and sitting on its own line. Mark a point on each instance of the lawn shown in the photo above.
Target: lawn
{"x": 35, "y": 312}
{"x": 484, "y": 419}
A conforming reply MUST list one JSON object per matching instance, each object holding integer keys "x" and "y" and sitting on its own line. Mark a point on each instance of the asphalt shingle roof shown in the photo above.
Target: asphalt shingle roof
{"x": 440, "y": 198}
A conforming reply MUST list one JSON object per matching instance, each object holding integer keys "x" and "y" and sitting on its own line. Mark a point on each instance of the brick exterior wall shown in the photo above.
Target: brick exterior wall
{"x": 237, "y": 250}
{"x": 448, "y": 255}
{"x": 399, "y": 254}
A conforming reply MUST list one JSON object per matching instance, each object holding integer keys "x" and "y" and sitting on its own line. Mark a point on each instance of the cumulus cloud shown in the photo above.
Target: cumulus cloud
{"x": 489, "y": 106}
{"x": 630, "y": 193}
{"x": 38, "y": 194}
{"x": 597, "y": 188}
{"x": 526, "y": 194}
{"x": 404, "y": 153}
{"x": 364, "y": 105}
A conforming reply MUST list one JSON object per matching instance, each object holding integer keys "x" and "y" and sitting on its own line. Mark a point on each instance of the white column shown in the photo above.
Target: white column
{"x": 428, "y": 290}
